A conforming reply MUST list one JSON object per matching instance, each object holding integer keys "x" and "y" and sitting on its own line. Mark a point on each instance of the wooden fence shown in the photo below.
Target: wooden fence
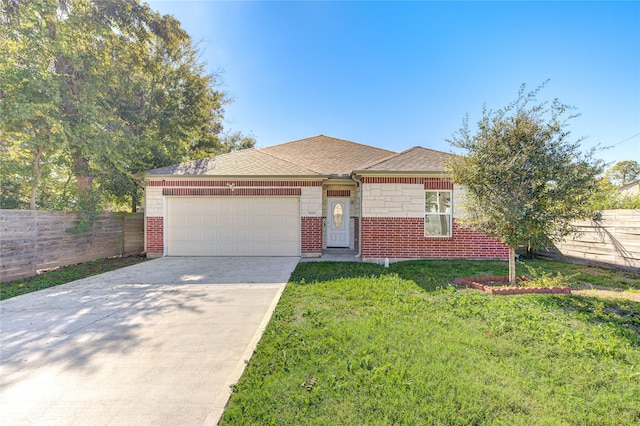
{"x": 32, "y": 240}
{"x": 613, "y": 240}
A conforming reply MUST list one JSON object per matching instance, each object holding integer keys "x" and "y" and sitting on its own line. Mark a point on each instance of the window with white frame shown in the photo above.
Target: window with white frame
{"x": 437, "y": 213}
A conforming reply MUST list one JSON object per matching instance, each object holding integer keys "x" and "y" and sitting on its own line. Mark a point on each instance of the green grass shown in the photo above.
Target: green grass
{"x": 65, "y": 275}
{"x": 357, "y": 344}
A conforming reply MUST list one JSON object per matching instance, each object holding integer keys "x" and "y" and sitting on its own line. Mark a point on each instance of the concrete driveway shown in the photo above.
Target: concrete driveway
{"x": 155, "y": 343}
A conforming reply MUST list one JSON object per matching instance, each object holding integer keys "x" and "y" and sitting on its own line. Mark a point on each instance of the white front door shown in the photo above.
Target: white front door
{"x": 338, "y": 222}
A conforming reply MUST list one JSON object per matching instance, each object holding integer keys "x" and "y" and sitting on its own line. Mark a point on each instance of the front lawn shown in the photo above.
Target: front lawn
{"x": 356, "y": 343}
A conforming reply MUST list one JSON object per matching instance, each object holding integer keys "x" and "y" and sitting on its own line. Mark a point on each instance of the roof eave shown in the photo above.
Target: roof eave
{"x": 399, "y": 172}
{"x": 242, "y": 177}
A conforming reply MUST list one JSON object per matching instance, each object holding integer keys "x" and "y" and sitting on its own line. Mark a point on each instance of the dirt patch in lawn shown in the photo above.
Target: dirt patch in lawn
{"x": 627, "y": 295}
{"x": 500, "y": 285}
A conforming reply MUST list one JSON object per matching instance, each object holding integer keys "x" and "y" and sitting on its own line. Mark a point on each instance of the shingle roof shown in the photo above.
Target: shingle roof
{"x": 327, "y": 155}
{"x": 248, "y": 162}
{"x": 416, "y": 159}
{"x": 316, "y": 156}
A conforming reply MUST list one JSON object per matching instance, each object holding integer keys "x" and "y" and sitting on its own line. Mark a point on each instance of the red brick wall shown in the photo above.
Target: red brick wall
{"x": 155, "y": 235}
{"x": 338, "y": 193}
{"x": 311, "y": 235}
{"x": 404, "y": 238}
{"x": 429, "y": 183}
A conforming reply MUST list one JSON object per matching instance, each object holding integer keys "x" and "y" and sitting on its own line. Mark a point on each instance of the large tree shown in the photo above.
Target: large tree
{"x": 624, "y": 172}
{"x": 526, "y": 180}
{"x": 101, "y": 90}
{"x": 607, "y": 194}
{"x": 30, "y": 129}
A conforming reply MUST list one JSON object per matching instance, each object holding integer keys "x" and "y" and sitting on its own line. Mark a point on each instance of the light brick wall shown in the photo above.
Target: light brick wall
{"x": 459, "y": 193}
{"x": 393, "y": 200}
{"x": 402, "y": 200}
{"x": 311, "y": 201}
{"x": 154, "y": 202}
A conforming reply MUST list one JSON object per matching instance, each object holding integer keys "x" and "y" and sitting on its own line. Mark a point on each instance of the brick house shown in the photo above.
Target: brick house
{"x": 300, "y": 197}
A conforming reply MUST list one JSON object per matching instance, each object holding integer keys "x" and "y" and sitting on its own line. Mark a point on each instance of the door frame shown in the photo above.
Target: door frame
{"x": 346, "y": 220}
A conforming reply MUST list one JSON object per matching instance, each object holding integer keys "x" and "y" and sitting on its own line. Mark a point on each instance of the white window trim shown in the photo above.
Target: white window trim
{"x": 449, "y": 213}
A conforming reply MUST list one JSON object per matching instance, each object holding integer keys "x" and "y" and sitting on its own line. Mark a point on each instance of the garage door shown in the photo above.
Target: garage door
{"x": 251, "y": 226}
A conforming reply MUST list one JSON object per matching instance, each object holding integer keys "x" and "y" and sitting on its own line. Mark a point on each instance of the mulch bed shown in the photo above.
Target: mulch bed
{"x": 500, "y": 285}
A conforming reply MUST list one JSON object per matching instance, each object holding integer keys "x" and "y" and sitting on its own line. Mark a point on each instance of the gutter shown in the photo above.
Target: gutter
{"x": 235, "y": 177}
{"x": 415, "y": 173}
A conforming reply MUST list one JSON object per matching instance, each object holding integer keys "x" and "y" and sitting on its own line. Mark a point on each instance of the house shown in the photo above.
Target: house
{"x": 300, "y": 197}
{"x": 630, "y": 189}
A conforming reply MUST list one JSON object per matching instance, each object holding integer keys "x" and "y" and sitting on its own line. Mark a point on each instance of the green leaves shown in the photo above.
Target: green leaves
{"x": 624, "y": 172}
{"x": 526, "y": 182}
{"x": 104, "y": 90}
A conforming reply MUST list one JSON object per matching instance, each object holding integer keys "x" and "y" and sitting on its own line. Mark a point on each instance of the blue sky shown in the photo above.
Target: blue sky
{"x": 401, "y": 74}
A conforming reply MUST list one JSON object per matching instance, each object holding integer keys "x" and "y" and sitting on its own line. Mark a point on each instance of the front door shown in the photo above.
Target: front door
{"x": 338, "y": 222}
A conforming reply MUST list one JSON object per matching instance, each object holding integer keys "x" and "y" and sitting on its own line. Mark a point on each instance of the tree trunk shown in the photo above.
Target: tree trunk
{"x": 84, "y": 178}
{"x": 37, "y": 174}
{"x": 512, "y": 265}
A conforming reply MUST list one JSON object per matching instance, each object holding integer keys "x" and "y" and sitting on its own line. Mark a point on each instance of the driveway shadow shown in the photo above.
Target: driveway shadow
{"x": 69, "y": 325}
{"x": 153, "y": 343}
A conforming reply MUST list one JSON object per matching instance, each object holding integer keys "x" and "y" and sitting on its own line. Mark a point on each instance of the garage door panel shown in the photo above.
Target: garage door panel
{"x": 272, "y": 234}
{"x": 290, "y": 235}
{"x": 180, "y": 247}
{"x": 259, "y": 235}
{"x": 222, "y": 248}
{"x": 223, "y": 234}
{"x": 252, "y": 226}
{"x": 243, "y": 235}
{"x": 277, "y": 221}
{"x": 259, "y": 221}
{"x": 225, "y": 220}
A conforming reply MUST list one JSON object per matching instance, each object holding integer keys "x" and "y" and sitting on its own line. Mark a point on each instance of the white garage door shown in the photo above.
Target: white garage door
{"x": 224, "y": 226}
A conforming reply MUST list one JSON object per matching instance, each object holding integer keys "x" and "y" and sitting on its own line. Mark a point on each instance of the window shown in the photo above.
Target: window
{"x": 337, "y": 216}
{"x": 437, "y": 214}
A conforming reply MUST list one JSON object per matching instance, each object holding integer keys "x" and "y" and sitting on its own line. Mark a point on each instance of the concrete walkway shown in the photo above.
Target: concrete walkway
{"x": 155, "y": 343}
{"x": 334, "y": 255}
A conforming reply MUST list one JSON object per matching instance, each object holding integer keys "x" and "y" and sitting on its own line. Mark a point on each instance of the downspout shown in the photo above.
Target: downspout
{"x": 359, "y": 185}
